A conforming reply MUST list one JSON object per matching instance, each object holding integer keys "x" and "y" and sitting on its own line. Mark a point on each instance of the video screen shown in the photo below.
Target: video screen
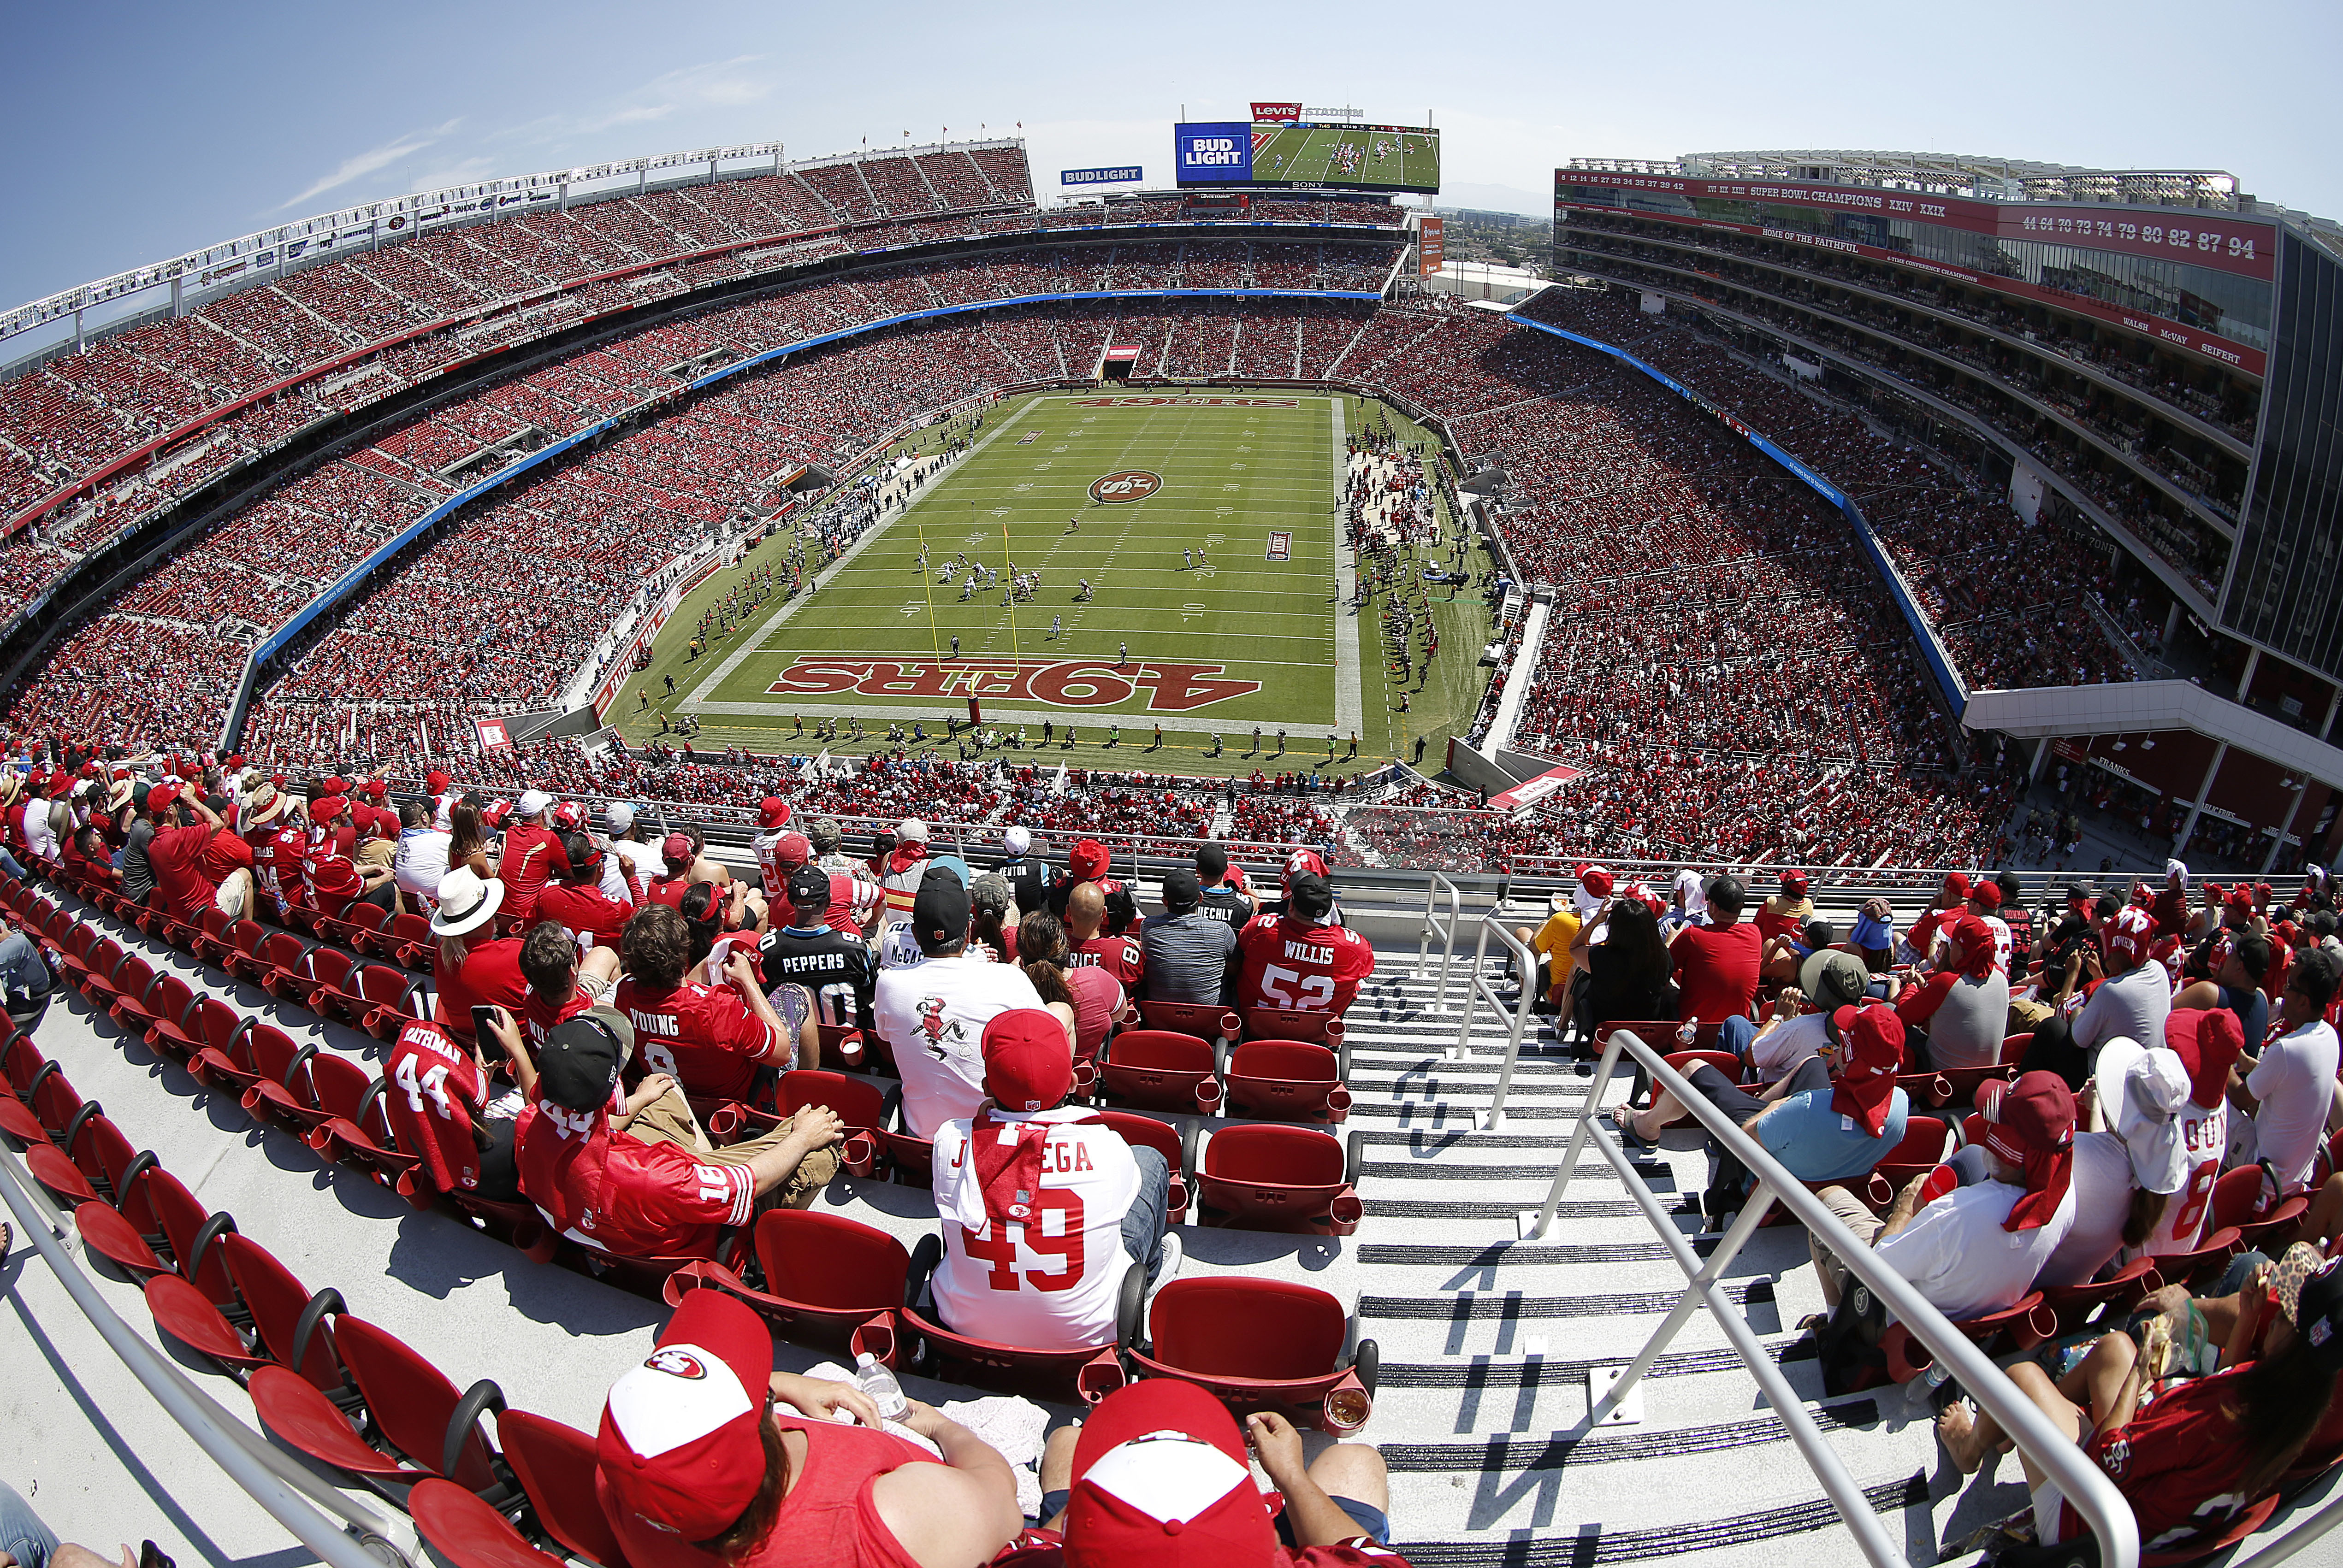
{"x": 1308, "y": 156}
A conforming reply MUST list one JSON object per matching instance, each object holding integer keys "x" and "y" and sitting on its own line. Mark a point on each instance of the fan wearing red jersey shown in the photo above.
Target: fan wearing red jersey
{"x": 1296, "y": 962}
{"x": 176, "y": 854}
{"x": 532, "y": 853}
{"x": 1044, "y": 1211}
{"x": 713, "y": 1040}
{"x": 603, "y": 1185}
{"x": 2199, "y": 1455}
{"x": 436, "y": 1100}
{"x": 577, "y": 900}
{"x": 1120, "y": 956}
{"x": 774, "y": 864}
{"x": 1160, "y": 1475}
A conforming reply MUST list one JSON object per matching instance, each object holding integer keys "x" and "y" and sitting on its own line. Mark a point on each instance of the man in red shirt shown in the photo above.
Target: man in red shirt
{"x": 1716, "y": 965}
{"x": 712, "y": 1040}
{"x": 1295, "y": 961}
{"x": 601, "y": 1185}
{"x": 177, "y": 853}
{"x": 575, "y": 898}
{"x": 438, "y": 1102}
{"x": 467, "y": 973}
{"x": 1119, "y": 956}
{"x": 332, "y": 882}
{"x": 532, "y": 853}
{"x": 560, "y": 986}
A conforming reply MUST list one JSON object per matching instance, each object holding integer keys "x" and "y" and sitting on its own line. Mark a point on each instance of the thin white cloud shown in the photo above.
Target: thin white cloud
{"x": 368, "y": 161}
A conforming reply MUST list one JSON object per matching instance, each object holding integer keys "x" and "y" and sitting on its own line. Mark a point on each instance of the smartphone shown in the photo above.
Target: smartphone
{"x": 484, "y": 1019}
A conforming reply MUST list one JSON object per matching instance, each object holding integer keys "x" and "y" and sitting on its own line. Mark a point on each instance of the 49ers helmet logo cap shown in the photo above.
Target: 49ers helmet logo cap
{"x": 677, "y": 1362}
{"x": 1126, "y": 485}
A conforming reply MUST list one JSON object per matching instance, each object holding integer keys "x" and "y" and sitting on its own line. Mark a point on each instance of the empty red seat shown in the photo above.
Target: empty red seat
{"x": 555, "y": 1463}
{"x": 98, "y": 976}
{"x": 289, "y": 1321}
{"x": 393, "y": 999}
{"x": 1280, "y": 1179}
{"x": 244, "y": 958}
{"x": 354, "y": 1129}
{"x": 283, "y": 959}
{"x": 327, "y": 987}
{"x": 1146, "y": 1132}
{"x": 829, "y": 1280}
{"x": 1160, "y": 1070}
{"x": 1207, "y": 1020}
{"x": 470, "y": 1532}
{"x": 301, "y": 1417}
{"x": 133, "y": 981}
{"x": 413, "y": 1407}
{"x": 1289, "y": 1079}
{"x": 169, "y": 1003}
{"x": 1286, "y": 1024}
{"x": 1262, "y": 1344}
{"x": 280, "y": 1089}
{"x": 1925, "y": 1145}
{"x": 2237, "y": 1198}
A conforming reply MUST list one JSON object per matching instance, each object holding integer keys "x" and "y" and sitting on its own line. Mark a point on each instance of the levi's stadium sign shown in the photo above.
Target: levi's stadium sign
{"x": 1276, "y": 113}
{"x": 1122, "y": 174}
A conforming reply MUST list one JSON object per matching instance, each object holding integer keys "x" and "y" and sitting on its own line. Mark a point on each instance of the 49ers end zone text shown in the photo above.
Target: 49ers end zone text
{"x": 1068, "y": 683}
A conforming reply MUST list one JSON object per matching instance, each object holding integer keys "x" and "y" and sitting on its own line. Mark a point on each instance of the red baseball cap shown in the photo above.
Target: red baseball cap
{"x": 1795, "y": 880}
{"x": 1977, "y": 938}
{"x": 337, "y": 785}
{"x": 773, "y": 812}
{"x": 324, "y": 811}
{"x": 792, "y": 850}
{"x": 2031, "y": 1124}
{"x": 1595, "y": 880}
{"x": 1161, "y": 1481}
{"x": 161, "y": 796}
{"x": 374, "y": 790}
{"x": 2208, "y": 1041}
{"x": 1987, "y": 893}
{"x": 1088, "y": 861}
{"x": 1028, "y": 1064}
{"x": 1958, "y": 882}
{"x": 676, "y": 847}
{"x": 679, "y": 1446}
{"x": 436, "y": 781}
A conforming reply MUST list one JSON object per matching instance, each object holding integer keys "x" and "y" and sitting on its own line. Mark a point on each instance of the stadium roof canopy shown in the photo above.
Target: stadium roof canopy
{"x": 1951, "y": 174}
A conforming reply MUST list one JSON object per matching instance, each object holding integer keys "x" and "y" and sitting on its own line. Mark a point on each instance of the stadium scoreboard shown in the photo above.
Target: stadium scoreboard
{"x": 1280, "y": 148}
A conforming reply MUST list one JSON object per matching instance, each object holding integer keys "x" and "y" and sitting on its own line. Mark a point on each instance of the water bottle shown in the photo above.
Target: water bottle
{"x": 1921, "y": 1390}
{"x": 1687, "y": 1033}
{"x": 875, "y": 1380}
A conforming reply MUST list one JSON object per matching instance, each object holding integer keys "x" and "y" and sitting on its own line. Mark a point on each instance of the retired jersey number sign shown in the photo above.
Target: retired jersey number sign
{"x": 1067, "y": 683}
{"x": 1126, "y": 485}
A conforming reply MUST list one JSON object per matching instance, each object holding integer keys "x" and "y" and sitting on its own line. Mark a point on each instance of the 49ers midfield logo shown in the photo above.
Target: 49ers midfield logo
{"x": 1129, "y": 484}
{"x": 1068, "y": 683}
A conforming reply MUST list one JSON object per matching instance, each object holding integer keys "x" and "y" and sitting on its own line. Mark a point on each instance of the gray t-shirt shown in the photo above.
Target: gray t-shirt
{"x": 1967, "y": 1029}
{"x": 1186, "y": 957}
{"x": 138, "y": 871}
{"x": 2132, "y": 1005}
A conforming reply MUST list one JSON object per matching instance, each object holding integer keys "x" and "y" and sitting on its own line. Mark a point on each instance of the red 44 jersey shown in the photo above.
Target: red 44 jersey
{"x": 1288, "y": 963}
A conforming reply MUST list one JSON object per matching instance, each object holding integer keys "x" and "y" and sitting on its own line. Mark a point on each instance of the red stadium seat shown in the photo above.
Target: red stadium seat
{"x": 1927, "y": 1142}
{"x": 169, "y": 1003}
{"x": 106, "y": 1232}
{"x": 1284, "y": 1023}
{"x": 414, "y": 1408}
{"x": 288, "y": 1320}
{"x": 1208, "y": 1021}
{"x": 829, "y": 1280}
{"x": 2119, "y": 1293}
{"x": 329, "y": 980}
{"x": 284, "y": 961}
{"x": 355, "y": 1130}
{"x": 859, "y": 1102}
{"x": 469, "y": 1534}
{"x": 132, "y": 979}
{"x": 1262, "y": 1344}
{"x": 2237, "y": 1203}
{"x": 217, "y": 1032}
{"x": 1146, "y": 1132}
{"x": 281, "y": 1091}
{"x": 1160, "y": 1070}
{"x": 1288, "y": 1080}
{"x": 555, "y": 1464}
{"x": 1272, "y": 1177}
{"x": 301, "y": 1417}
{"x": 105, "y": 959}
{"x": 2016, "y": 1328}
{"x": 393, "y": 999}
{"x": 245, "y": 957}
{"x": 410, "y": 944}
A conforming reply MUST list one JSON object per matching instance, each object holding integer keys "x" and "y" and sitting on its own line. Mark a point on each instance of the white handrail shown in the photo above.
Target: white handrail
{"x": 296, "y": 1500}
{"x": 1435, "y": 927}
{"x": 2049, "y": 1450}
{"x": 1476, "y": 986}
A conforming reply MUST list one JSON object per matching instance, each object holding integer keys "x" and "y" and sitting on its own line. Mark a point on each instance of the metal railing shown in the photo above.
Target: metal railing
{"x": 342, "y": 1531}
{"x": 1477, "y": 987}
{"x": 2044, "y": 1446}
{"x": 1435, "y": 881}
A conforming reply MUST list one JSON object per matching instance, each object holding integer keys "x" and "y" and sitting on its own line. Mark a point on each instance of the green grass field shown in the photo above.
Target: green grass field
{"x": 1314, "y": 153}
{"x": 1234, "y": 639}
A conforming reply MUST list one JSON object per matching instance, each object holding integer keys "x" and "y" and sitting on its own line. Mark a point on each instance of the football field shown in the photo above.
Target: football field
{"x": 1205, "y": 525}
{"x": 1335, "y": 155}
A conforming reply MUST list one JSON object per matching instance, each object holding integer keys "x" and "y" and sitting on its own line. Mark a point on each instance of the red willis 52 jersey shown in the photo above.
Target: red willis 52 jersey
{"x": 1291, "y": 964}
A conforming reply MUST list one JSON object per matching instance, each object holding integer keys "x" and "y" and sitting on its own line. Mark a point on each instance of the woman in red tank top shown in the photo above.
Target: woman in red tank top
{"x": 696, "y": 1466}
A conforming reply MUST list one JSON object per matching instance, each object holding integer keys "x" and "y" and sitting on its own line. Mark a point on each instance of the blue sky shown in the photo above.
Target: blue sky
{"x": 139, "y": 131}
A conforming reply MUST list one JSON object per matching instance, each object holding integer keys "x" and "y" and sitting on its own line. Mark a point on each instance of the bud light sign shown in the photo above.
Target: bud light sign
{"x": 1213, "y": 154}
{"x": 1123, "y": 175}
